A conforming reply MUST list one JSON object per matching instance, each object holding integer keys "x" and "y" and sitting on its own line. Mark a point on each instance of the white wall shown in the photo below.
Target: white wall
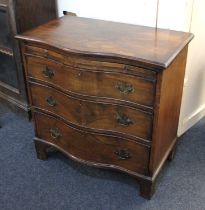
{"x": 182, "y": 15}
{"x": 193, "y": 101}
{"x": 175, "y": 14}
{"x": 129, "y": 11}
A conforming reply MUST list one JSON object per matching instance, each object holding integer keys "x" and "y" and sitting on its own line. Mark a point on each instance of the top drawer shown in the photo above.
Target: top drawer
{"x": 44, "y": 53}
{"x": 93, "y": 83}
{"x": 88, "y": 62}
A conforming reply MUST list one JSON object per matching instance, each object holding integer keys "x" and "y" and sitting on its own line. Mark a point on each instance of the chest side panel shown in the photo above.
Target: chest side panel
{"x": 167, "y": 109}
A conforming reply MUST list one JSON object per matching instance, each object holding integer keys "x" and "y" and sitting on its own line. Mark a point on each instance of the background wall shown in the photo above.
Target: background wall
{"x": 183, "y": 15}
{"x": 128, "y": 11}
{"x": 193, "y": 101}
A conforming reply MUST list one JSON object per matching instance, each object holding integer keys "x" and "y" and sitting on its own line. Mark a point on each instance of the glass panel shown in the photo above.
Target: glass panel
{"x": 8, "y": 70}
{"x": 5, "y": 35}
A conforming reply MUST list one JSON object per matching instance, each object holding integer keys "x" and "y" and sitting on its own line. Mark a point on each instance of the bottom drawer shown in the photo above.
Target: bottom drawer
{"x": 112, "y": 151}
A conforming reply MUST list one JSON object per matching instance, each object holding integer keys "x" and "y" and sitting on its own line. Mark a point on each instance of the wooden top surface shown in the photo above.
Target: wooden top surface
{"x": 157, "y": 47}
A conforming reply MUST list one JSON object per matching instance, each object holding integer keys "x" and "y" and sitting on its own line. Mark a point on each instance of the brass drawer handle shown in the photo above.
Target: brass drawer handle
{"x": 48, "y": 73}
{"x": 122, "y": 154}
{"x": 51, "y": 101}
{"x": 55, "y": 133}
{"x": 124, "y": 87}
{"x": 123, "y": 119}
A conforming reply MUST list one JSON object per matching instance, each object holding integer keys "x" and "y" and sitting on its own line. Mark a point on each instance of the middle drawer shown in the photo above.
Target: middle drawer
{"x": 104, "y": 117}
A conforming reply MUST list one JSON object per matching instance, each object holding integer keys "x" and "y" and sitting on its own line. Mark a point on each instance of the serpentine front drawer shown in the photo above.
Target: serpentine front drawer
{"x": 97, "y": 149}
{"x": 107, "y": 85}
{"x": 104, "y": 117}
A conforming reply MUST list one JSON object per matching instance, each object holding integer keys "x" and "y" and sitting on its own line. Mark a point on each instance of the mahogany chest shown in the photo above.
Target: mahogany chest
{"x": 106, "y": 94}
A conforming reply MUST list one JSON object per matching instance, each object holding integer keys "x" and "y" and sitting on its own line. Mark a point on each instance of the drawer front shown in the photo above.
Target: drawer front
{"x": 108, "y": 85}
{"x": 88, "y": 62}
{"x": 32, "y": 50}
{"x": 95, "y": 148}
{"x": 101, "y": 116}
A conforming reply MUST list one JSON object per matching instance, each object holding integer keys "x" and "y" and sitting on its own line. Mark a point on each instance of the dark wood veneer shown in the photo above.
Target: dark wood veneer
{"x": 92, "y": 147}
{"x": 91, "y": 114}
{"x": 111, "y": 39}
{"x": 104, "y": 84}
{"x": 170, "y": 86}
{"x": 80, "y": 79}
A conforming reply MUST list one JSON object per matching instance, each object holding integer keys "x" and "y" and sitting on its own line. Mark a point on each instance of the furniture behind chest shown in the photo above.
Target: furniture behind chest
{"x": 106, "y": 94}
{"x": 17, "y": 16}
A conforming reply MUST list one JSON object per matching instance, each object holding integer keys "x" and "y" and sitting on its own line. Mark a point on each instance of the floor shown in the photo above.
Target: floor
{"x": 27, "y": 183}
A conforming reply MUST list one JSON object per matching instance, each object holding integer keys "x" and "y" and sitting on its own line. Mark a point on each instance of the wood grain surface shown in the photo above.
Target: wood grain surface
{"x": 104, "y": 117}
{"x": 94, "y": 148}
{"x": 144, "y": 44}
{"x": 106, "y": 94}
{"x": 99, "y": 83}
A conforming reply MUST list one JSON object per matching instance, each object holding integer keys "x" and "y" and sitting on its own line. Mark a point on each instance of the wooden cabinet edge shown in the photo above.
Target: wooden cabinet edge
{"x": 155, "y": 67}
{"x": 179, "y": 66}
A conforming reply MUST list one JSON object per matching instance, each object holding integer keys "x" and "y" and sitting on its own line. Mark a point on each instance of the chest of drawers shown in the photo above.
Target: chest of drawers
{"x": 106, "y": 94}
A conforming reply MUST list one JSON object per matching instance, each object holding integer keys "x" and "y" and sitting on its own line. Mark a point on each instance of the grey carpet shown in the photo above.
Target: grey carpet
{"x": 59, "y": 183}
